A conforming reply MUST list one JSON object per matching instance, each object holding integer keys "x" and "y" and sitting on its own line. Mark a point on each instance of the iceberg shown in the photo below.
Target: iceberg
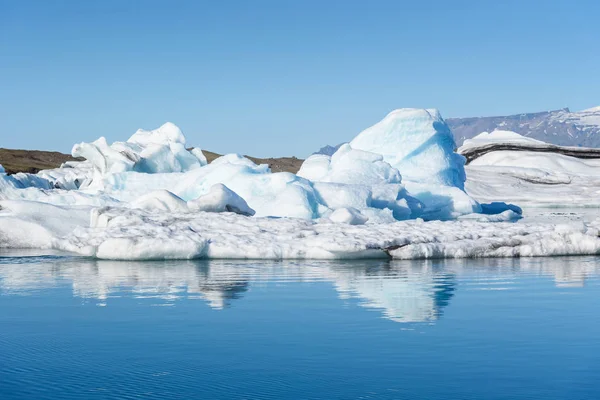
{"x": 397, "y": 190}
{"x": 418, "y": 143}
{"x": 421, "y": 146}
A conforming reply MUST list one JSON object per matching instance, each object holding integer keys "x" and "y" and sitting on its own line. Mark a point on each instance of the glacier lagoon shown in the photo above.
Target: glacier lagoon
{"x": 371, "y": 273}
{"x": 507, "y": 328}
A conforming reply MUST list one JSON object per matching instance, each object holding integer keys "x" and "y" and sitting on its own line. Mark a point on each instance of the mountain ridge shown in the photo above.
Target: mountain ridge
{"x": 561, "y": 127}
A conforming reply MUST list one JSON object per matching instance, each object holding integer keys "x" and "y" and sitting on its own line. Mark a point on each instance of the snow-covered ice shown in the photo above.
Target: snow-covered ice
{"x": 348, "y": 216}
{"x": 397, "y": 190}
{"x": 412, "y": 146}
{"x": 419, "y": 143}
{"x": 127, "y": 233}
{"x": 531, "y": 173}
{"x": 360, "y": 180}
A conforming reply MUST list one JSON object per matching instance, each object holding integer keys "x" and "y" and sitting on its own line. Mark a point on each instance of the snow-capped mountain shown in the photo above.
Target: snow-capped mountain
{"x": 561, "y": 127}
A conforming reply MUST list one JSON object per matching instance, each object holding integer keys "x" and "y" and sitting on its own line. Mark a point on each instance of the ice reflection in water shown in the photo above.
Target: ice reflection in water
{"x": 403, "y": 291}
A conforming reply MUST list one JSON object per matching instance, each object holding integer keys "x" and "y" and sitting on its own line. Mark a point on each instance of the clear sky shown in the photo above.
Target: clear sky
{"x": 282, "y": 77}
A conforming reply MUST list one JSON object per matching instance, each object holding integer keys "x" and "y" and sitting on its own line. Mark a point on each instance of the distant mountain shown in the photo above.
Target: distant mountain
{"x": 328, "y": 150}
{"x": 561, "y": 127}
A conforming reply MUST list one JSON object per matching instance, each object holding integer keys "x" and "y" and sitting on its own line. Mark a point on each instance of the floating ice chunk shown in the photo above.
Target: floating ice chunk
{"x": 418, "y": 143}
{"x": 348, "y": 215}
{"x": 221, "y": 199}
{"x": 2, "y": 170}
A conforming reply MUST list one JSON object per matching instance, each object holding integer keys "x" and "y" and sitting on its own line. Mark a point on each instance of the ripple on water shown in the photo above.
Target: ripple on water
{"x": 270, "y": 330}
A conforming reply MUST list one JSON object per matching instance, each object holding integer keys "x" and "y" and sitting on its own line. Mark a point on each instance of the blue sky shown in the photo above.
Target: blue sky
{"x": 274, "y": 78}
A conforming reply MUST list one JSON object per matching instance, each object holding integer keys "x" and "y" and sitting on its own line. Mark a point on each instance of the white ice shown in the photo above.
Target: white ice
{"x": 152, "y": 198}
{"x": 360, "y": 180}
{"x": 541, "y": 178}
{"x": 135, "y": 234}
{"x": 419, "y": 143}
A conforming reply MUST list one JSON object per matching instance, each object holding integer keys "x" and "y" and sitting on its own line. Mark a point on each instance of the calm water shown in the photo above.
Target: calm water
{"x": 483, "y": 329}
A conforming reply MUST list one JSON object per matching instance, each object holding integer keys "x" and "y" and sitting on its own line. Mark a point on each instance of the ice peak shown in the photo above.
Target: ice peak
{"x": 418, "y": 142}
{"x": 413, "y": 112}
{"x": 167, "y": 133}
{"x": 591, "y": 110}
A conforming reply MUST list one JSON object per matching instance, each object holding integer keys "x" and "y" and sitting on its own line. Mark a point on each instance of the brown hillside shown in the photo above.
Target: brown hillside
{"x": 33, "y": 161}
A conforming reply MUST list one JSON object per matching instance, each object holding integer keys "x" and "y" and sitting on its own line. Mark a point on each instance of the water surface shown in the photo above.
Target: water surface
{"x": 73, "y": 328}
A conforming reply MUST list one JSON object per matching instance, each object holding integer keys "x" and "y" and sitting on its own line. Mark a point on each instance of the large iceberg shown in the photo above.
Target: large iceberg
{"x": 415, "y": 143}
{"x": 151, "y": 197}
{"x": 419, "y": 143}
